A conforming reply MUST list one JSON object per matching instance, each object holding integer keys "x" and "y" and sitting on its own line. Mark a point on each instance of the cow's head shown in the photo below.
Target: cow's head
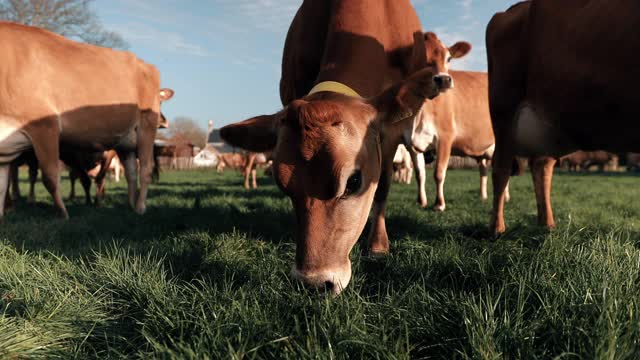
{"x": 439, "y": 56}
{"x": 327, "y": 159}
{"x": 164, "y": 95}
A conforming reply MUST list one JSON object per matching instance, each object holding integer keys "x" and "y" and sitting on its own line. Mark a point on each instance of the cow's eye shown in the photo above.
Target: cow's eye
{"x": 449, "y": 59}
{"x": 354, "y": 183}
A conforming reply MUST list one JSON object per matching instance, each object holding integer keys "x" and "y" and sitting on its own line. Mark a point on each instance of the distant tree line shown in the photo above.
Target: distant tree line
{"x": 70, "y": 18}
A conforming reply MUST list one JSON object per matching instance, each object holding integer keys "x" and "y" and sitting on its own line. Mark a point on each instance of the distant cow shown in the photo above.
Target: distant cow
{"x": 563, "y": 76}
{"x": 235, "y": 161}
{"x": 633, "y": 161}
{"x": 253, "y": 161}
{"x": 86, "y": 166}
{"x": 582, "y": 160}
{"x": 58, "y": 92}
{"x": 402, "y": 166}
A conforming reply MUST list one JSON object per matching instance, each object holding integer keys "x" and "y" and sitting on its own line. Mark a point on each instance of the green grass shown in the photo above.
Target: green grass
{"x": 204, "y": 274}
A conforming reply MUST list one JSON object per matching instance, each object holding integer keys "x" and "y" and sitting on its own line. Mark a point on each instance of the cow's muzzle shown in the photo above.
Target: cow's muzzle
{"x": 443, "y": 81}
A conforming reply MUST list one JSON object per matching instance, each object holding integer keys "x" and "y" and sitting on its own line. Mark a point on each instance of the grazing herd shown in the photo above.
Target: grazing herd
{"x": 359, "y": 79}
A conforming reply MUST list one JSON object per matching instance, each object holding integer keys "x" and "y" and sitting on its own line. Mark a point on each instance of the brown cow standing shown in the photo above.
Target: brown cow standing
{"x": 562, "y": 77}
{"x": 333, "y": 150}
{"x": 58, "y": 91}
{"x": 455, "y": 123}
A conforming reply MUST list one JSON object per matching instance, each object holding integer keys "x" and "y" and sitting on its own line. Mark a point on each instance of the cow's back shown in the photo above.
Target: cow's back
{"x": 583, "y": 70}
{"x": 471, "y": 112}
{"x": 366, "y": 43}
{"x": 48, "y": 77}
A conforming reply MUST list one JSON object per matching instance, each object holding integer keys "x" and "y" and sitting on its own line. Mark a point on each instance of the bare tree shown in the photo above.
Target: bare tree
{"x": 184, "y": 127}
{"x": 70, "y": 18}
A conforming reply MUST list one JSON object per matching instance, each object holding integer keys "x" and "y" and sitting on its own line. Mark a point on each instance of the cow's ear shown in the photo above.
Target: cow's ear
{"x": 165, "y": 94}
{"x": 459, "y": 49}
{"x": 257, "y": 134}
{"x": 405, "y": 99}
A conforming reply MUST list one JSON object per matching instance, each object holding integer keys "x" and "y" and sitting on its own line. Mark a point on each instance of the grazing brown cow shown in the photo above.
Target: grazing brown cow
{"x": 347, "y": 93}
{"x": 55, "y": 91}
{"x": 585, "y": 159}
{"x": 86, "y": 166}
{"x": 562, "y": 76}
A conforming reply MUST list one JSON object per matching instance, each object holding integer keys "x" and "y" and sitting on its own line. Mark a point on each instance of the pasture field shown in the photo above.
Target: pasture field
{"x": 204, "y": 274}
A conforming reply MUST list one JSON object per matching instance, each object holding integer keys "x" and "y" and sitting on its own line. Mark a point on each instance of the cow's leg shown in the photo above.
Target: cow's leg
{"x": 254, "y": 173}
{"x": 73, "y": 175}
{"x": 542, "y": 172}
{"x": 14, "y": 181}
{"x": 378, "y": 240}
{"x": 482, "y": 166}
{"x": 33, "y": 178}
{"x": 5, "y": 169}
{"x": 146, "y": 136}
{"x": 421, "y": 175}
{"x": 131, "y": 174}
{"x": 46, "y": 147}
{"x": 117, "y": 170}
{"x": 85, "y": 180}
{"x": 440, "y": 173}
{"x": 507, "y": 194}
{"x": 502, "y": 166}
{"x": 247, "y": 170}
{"x": 105, "y": 165}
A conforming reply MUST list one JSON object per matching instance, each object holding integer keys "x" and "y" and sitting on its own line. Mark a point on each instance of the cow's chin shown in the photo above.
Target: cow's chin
{"x": 328, "y": 282}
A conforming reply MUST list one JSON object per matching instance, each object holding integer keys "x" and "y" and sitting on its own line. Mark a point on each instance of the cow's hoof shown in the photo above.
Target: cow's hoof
{"x": 439, "y": 208}
{"x": 141, "y": 210}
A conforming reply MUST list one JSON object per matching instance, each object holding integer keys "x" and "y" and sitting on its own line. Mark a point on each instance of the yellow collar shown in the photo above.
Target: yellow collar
{"x": 334, "y": 86}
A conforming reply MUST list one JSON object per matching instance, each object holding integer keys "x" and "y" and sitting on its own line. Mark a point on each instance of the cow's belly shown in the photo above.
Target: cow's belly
{"x": 536, "y": 135}
{"x": 104, "y": 130}
{"x": 13, "y": 140}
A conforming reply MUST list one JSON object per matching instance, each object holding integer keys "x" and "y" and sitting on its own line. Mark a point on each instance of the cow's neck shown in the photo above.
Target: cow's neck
{"x": 367, "y": 43}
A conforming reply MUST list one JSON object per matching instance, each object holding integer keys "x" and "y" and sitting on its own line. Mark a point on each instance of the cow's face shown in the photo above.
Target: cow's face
{"x": 164, "y": 95}
{"x": 439, "y": 56}
{"x": 327, "y": 159}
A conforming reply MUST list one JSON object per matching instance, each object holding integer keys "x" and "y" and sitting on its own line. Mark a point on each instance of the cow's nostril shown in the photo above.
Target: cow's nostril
{"x": 328, "y": 285}
{"x": 438, "y": 80}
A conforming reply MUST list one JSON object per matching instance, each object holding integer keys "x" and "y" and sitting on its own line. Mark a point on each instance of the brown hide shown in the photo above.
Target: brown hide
{"x": 561, "y": 78}
{"x": 58, "y": 91}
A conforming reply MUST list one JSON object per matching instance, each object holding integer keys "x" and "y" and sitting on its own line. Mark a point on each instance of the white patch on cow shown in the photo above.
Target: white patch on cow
{"x": 425, "y": 133}
{"x": 489, "y": 151}
{"x": 13, "y": 139}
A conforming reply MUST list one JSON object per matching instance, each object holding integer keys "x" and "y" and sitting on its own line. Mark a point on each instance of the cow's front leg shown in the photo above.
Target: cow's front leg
{"x": 378, "y": 241}
{"x": 130, "y": 163}
{"x": 146, "y": 135}
{"x": 440, "y": 172}
{"x": 421, "y": 176}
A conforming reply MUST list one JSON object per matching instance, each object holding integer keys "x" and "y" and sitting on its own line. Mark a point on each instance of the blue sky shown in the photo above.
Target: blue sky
{"x": 222, "y": 57}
